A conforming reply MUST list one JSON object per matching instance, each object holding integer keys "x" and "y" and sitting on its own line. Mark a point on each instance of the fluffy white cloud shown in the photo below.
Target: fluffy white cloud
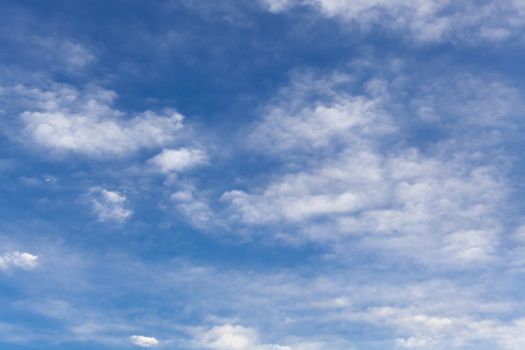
{"x": 424, "y": 20}
{"x": 346, "y": 185}
{"x": 314, "y": 113}
{"x": 320, "y": 125}
{"x": 109, "y": 205}
{"x": 234, "y": 337}
{"x": 143, "y": 341}
{"x": 63, "y": 119}
{"x": 16, "y": 259}
{"x": 434, "y": 331}
{"x": 175, "y": 160}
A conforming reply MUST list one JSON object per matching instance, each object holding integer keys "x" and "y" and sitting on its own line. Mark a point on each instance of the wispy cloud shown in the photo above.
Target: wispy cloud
{"x": 443, "y": 201}
{"x": 109, "y": 205}
{"x": 425, "y": 21}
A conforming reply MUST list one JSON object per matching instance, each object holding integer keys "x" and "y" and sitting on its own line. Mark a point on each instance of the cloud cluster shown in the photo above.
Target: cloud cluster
{"x": 424, "y": 20}
{"x": 313, "y": 312}
{"x": 443, "y": 200}
{"x": 433, "y": 313}
{"x": 456, "y": 332}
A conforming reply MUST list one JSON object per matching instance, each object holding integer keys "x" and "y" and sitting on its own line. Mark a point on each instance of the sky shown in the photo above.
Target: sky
{"x": 262, "y": 175}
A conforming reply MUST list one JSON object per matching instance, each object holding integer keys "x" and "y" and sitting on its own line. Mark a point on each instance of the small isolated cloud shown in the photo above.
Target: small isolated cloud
{"x": 16, "y": 259}
{"x": 174, "y": 160}
{"x": 109, "y": 205}
{"x": 144, "y": 342}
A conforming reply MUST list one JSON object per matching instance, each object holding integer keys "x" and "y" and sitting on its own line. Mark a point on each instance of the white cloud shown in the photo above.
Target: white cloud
{"x": 63, "y": 119}
{"x": 58, "y": 52}
{"x": 430, "y": 331}
{"x": 234, "y": 337}
{"x": 16, "y": 259}
{"x": 322, "y": 124}
{"x": 413, "y": 342}
{"x": 75, "y": 54}
{"x": 316, "y": 311}
{"x": 109, "y": 205}
{"x": 194, "y": 206}
{"x": 423, "y": 20}
{"x": 411, "y": 201}
{"x": 142, "y": 341}
{"x": 176, "y": 160}
{"x": 467, "y": 100}
{"x": 345, "y": 185}
{"x": 346, "y": 180}
{"x": 519, "y": 233}
{"x": 433, "y": 314}
{"x": 315, "y": 113}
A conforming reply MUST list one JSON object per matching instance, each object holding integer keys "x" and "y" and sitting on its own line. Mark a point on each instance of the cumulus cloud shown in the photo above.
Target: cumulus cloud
{"x": 143, "y": 341}
{"x": 65, "y": 120}
{"x": 234, "y": 337}
{"x": 423, "y": 20}
{"x": 16, "y": 259}
{"x": 109, "y": 205}
{"x": 176, "y": 160}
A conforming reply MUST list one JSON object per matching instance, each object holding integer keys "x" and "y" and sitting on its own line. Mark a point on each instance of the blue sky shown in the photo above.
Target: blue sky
{"x": 262, "y": 175}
